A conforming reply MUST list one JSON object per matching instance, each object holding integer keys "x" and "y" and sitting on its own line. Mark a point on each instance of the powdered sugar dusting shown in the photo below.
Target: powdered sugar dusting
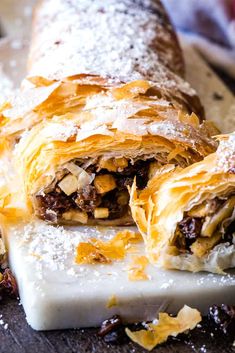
{"x": 226, "y": 153}
{"x": 118, "y": 39}
{"x": 59, "y": 132}
{"x": 42, "y": 258}
{"x": 53, "y": 248}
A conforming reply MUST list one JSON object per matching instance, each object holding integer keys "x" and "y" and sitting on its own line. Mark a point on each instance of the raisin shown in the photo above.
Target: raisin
{"x": 142, "y": 176}
{"x": 140, "y": 170}
{"x": 58, "y": 202}
{"x": 88, "y": 199}
{"x": 115, "y": 209}
{"x": 123, "y": 182}
{"x": 223, "y": 316}
{"x": 228, "y": 237}
{"x": 112, "y": 331}
{"x": 116, "y": 337}
{"x": 109, "y": 325}
{"x": 8, "y": 284}
{"x": 191, "y": 229}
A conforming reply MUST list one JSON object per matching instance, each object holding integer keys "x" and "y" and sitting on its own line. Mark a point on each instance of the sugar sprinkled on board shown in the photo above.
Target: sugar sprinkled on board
{"x": 53, "y": 248}
{"x": 50, "y": 250}
{"x": 3, "y": 323}
{"x": 221, "y": 280}
{"x": 167, "y": 285}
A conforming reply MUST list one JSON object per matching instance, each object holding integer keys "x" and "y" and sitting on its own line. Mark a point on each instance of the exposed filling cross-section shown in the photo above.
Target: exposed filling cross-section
{"x": 206, "y": 225}
{"x": 96, "y": 191}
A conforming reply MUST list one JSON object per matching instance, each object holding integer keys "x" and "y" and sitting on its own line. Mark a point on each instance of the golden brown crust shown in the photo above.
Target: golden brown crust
{"x": 44, "y": 99}
{"x": 147, "y": 17}
{"x": 97, "y": 37}
{"x": 114, "y": 121}
{"x": 96, "y": 89}
{"x": 157, "y": 215}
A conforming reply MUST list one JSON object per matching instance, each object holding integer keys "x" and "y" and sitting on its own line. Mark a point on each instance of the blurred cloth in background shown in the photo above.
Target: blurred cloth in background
{"x": 210, "y": 26}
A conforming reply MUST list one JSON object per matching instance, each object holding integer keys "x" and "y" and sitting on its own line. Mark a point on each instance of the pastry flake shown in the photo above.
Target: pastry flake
{"x": 187, "y": 319}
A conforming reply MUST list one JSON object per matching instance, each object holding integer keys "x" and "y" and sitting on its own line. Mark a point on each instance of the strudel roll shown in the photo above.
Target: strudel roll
{"x": 187, "y": 216}
{"x": 119, "y": 41}
{"x": 111, "y": 106}
{"x": 78, "y": 168}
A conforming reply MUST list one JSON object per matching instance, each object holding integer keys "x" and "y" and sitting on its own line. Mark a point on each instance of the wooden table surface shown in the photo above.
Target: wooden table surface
{"x": 19, "y": 337}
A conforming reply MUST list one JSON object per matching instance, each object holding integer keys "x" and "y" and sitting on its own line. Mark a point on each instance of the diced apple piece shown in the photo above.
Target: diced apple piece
{"x": 153, "y": 168}
{"x": 69, "y": 184}
{"x": 113, "y": 164}
{"x": 203, "y": 244}
{"x": 104, "y": 183}
{"x": 77, "y": 216}
{"x": 121, "y": 162}
{"x": 108, "y": 164}
{"x": 199, "y": 211}
{"x": 212, "y": 223}
{"x": 84, "y": 179}
{"x": 73, "y": 168}
{"x": 101, "y": 212}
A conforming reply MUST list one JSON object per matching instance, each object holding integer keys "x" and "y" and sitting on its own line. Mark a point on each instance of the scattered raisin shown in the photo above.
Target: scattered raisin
{"x": 8, "y": 284}
{"x": 116, "y": 337}
{"x": 112, "y": 331}
{"x": 223, "y": 316}
{"x": 110, "y": 325}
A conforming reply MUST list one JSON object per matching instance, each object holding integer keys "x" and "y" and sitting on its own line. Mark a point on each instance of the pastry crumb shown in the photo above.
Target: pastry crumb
{"x": 112, "y": 302}
{"x": 97, "y": 251}
{"x": 137, "y": 268}
{"x": 187, "y": 319}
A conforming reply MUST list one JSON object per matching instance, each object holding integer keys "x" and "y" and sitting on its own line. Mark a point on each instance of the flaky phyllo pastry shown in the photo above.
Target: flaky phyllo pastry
{"x": 97, "y": 41}
{"x": 76, "y": 167}
{"x": 187, "y": 217}
{"x": 101, "y": 106}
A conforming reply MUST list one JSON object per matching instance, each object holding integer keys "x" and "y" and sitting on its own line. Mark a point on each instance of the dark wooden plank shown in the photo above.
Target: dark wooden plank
{"x": 19, "y": 337}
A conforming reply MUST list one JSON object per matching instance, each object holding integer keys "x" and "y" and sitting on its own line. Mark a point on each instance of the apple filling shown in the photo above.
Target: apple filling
{"x": 205, "y": 226}
{"x": 87, "y": 193}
